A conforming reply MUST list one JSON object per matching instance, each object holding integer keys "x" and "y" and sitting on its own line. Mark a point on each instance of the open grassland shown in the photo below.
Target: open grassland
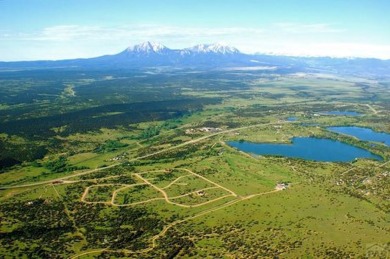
{"x": 169, "y": 185}
{"x": 287, "y": 224}
{"x": 229, "y": 198}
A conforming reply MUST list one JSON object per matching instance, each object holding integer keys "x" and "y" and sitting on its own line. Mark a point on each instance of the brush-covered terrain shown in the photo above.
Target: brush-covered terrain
{"x": 135, "y": 164}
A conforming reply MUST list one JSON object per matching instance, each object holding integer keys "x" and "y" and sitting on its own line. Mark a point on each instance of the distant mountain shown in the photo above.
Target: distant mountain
{"x": 206, "y": 56}
{"x": 148, "y": 48}
{"x": 216, "y": 49}
{"x": 150, "y": 54}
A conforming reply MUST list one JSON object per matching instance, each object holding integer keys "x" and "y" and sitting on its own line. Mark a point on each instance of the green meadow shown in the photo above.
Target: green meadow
{"x": 154, "y": 177}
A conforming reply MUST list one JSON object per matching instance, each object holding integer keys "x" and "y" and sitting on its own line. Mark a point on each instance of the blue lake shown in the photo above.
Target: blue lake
{"x": 341, "y": 113}
{"x": 365, "y": 134}
{"x": 292, "y": 119}
{"x": 325, "y": 150}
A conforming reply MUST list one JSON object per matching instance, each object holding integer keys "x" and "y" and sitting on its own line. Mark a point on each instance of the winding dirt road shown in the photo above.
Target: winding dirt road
{"x": 144, "y": 156}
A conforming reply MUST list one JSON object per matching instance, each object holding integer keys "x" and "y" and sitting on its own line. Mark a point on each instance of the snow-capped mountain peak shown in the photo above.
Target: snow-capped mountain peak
{"x": 213, "y": 48}
{"x": 223, "y": 49}
{"x": 148, "y": 47}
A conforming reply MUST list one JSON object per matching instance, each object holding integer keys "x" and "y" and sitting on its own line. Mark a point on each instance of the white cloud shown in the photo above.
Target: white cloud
{"x": 348, "y": 49}
{"x": 331, "y": 49}
{"x": 75, "y": 32}
{"x": 74, "y": 41}
{"x": 307, "y": 28}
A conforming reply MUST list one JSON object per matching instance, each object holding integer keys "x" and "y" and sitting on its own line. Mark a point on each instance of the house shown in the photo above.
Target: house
{"x": 281, "y": 186}
{"x": 209, "y": 129}
{"x": 200, "y": 193}
{"x": 190, "y": 131}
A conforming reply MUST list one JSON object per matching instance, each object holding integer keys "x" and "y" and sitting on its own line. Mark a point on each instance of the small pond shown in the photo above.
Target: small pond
{"x": 365, "y": 134}
{"x": 308, "y": 148}
{"x": 292, "y": 119}
{"x": 341, "y": 113}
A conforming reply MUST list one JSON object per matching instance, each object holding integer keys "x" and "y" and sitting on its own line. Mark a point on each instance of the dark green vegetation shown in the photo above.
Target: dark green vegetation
{"x": 41, "y": 105}
{"x": 135, "y": 164}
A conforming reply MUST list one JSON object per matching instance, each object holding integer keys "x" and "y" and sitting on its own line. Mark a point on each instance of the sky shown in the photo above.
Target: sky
{"x": 64, "y": 29}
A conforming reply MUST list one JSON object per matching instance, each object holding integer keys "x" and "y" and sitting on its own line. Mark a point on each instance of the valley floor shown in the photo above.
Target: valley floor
{"x": 173, "y": 187}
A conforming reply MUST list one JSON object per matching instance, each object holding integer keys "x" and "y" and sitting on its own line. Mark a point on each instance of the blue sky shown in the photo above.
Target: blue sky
{"x": 58, "y": 29}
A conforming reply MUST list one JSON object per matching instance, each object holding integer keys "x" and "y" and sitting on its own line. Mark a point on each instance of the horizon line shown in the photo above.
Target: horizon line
{"x": 269, "y": 53}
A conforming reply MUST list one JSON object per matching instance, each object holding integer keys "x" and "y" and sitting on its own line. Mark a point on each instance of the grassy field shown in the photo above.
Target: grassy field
{"x": 158, "y": 187}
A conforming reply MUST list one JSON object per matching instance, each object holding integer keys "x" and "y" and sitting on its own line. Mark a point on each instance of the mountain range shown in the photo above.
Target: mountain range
{"x": 209, "y": 56}
{"x": 152, "y": 48}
